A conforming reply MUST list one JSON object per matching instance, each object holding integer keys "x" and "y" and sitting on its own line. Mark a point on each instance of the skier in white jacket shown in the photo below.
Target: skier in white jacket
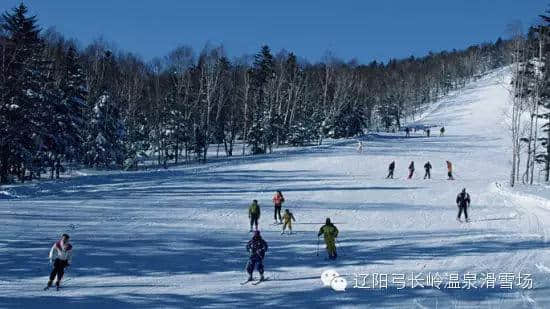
{"x": 61, "y": 257}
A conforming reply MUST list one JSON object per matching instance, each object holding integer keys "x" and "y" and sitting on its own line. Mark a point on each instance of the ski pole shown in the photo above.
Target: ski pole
{"x": 317, "y": 245}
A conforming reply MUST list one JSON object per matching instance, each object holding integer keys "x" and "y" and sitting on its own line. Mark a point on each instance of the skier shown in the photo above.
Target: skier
{"x": 411, "y": 169}
{"x": 330, "y": 232}
{"x": 407, "y": 132}
{"x": 257, "y": 247}
{"x": 463, "y": 202}
{"x": 278, "y": 200}
{"x": 428, "y": 132}
{"x": 450, "y": 170}
{"x": 391, "y": 169}
{"x": 427, "y": 168}
{"x": 442, "y": 131}
{"x": 288, "y": 217}
{"x": 360, "y": 147}
{"x": 254, "y": 214}
{"x": 61, "y": 257}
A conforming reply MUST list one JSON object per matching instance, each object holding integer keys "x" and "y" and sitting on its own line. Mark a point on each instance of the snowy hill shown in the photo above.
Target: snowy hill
{"x": 176, "y": 238}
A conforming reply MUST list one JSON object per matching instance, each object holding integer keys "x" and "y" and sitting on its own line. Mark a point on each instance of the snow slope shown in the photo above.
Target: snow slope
{"x": 175, "y": 238}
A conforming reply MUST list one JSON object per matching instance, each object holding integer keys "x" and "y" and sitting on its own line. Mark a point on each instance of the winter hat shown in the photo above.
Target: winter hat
{"x": 463, "y": 190}
{"x": 256, "y": 233}
{"x": 328, "y": 221}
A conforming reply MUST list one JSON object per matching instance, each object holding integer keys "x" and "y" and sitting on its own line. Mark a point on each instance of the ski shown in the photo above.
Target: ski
{"x": 260, "y": 281}
{"x": 247, "y": 281}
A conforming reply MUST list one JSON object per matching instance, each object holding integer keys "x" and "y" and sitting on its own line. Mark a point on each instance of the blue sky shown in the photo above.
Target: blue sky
{"x": 366, "y": 30}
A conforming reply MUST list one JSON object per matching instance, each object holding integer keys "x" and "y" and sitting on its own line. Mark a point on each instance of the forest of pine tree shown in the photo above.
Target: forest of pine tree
{"x": 94, "y": 106}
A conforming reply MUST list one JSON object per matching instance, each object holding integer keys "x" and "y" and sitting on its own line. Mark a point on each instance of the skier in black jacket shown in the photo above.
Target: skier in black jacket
{"x": 391, "y": 169}
{"x": 257, "y": 248}
{"x": 427, "y": 168}
{"x": 463, "y": 202}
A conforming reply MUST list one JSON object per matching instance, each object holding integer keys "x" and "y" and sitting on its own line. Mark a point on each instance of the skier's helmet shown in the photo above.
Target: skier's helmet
{"x": 327, "y": 221}
{"x": 463, "y": 190}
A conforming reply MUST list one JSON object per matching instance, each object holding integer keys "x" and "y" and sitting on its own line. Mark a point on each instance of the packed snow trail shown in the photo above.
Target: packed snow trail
{"x": 176, "y": 238}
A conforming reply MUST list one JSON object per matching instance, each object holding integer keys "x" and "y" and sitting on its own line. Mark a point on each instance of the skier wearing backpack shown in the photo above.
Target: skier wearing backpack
{"x": 463, "y": 202}
{"x": 288, "y": 217}
{"x": 60, "y": 256}
{"x": 278, "y": 201}
{"x": 257, "y": 247}
{"x": 329, "y": 232}
{"x": 427, "y": 168}
{"x": 391, "y": 168}
{"x": 254, "y": 214}
{"x": 411, "y": 169}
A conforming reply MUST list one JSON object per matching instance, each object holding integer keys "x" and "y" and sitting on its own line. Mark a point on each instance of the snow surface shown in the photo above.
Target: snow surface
{"x": 176, "y": 238}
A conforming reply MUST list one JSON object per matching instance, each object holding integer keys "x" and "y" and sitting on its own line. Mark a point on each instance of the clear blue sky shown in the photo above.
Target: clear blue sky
{"x": 363, "y": 29}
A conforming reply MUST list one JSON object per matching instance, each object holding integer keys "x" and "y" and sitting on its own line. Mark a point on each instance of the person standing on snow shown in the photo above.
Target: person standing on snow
{"x": 278, "y": 201}
{"x": 427, "y": 168}
{"x": 254, "y": 214}
{"x": 463, "y": 202}
{"x": 360, "y": 147}
{"x": 329, "y": 232}
{"x": 450, "y": 170}
{"x": 407, "y": 132}
{"x": 60, "y": 256}
{"x": 411, "y": 170}
{"x": 442, "y": 131}
{"x": 288, "y": 217}
{"x": 257, "y": 247}
{"x": 391, "y": 168}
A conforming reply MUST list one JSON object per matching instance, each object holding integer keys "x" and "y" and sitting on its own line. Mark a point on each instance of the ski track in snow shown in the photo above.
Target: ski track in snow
{"x": 176, "y": 238}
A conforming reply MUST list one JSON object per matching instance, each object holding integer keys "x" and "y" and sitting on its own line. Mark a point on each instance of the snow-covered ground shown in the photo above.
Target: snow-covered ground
{"x": 175, "y": 238}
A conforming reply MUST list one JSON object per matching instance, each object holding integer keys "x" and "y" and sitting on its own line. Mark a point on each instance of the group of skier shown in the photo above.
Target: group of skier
{"x": 427, "y": 169}
{"x": 427, "y": 130}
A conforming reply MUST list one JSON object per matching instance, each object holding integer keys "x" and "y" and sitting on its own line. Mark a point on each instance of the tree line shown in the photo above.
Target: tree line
{"x": 104, "y": 108}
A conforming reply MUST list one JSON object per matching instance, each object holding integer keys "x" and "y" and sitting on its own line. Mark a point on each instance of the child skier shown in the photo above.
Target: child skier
{"x": 391, "y": 168}
{"x": 329, "y": 232}
{"x": 257, "y": 247}
{"x": 360, "y": 147}
{"x": 411, "y": 169}
{"x": 254, "y": 214}
{"x": 288, "y": 217}
{"x": 442, "y": 131}
{"x": 427, "y": 168}
{"x": 278, "y": 201}
{"x": 61, "y": 257}
{"x": 450, "y": 170}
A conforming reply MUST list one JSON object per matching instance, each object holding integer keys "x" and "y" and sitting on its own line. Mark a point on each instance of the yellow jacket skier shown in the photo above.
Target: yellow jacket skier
{"x": 330, "y": 232}
{"x": 288, "y": 217}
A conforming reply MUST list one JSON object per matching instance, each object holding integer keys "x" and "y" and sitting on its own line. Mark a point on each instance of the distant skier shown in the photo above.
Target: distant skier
{"x": 427, "y": 168}
{"x": 60, "y": 256}
{"x": 411, "y": 170}
{"x": 278, "y": 200}
{"x": 442, "y": 131}
{"x": 254, "y": 214}
{"x": 329, "y": 232}
{"x": 463, "y": 202}
{"x": 257, "y": 247}
{"x": 407, "y": 132}
{"x": 391, "y": 168}
{"x": 288, "y": 217}
{"x": 428, "y": 132}
{"x": 360, "y": 147}
{"x": 450, "y": 170}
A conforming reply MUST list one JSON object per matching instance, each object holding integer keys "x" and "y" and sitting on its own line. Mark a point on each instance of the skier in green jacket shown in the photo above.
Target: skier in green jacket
{"x": 254, "y": 214}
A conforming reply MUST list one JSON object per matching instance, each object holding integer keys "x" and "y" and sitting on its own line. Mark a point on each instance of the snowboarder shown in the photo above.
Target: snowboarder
{"x": 463, "y": 202}
{"x": 427, "y": 168}
{"x": 450, "y": 170}
{"x": 411, "y": 170}
{"x": 61, "y": 257}
{"x": 330, "y": 232}
{"x": 257, "y": 247}
{"x": 360, "y": 147}
{"x": 442, "y": 131}
{"x": 391, "y": 168}
{"x": 288, "y": 217}
{"x": 407, "y": 132}
{"x": 254, "y": 214}
{"x": 278, "y": 200}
